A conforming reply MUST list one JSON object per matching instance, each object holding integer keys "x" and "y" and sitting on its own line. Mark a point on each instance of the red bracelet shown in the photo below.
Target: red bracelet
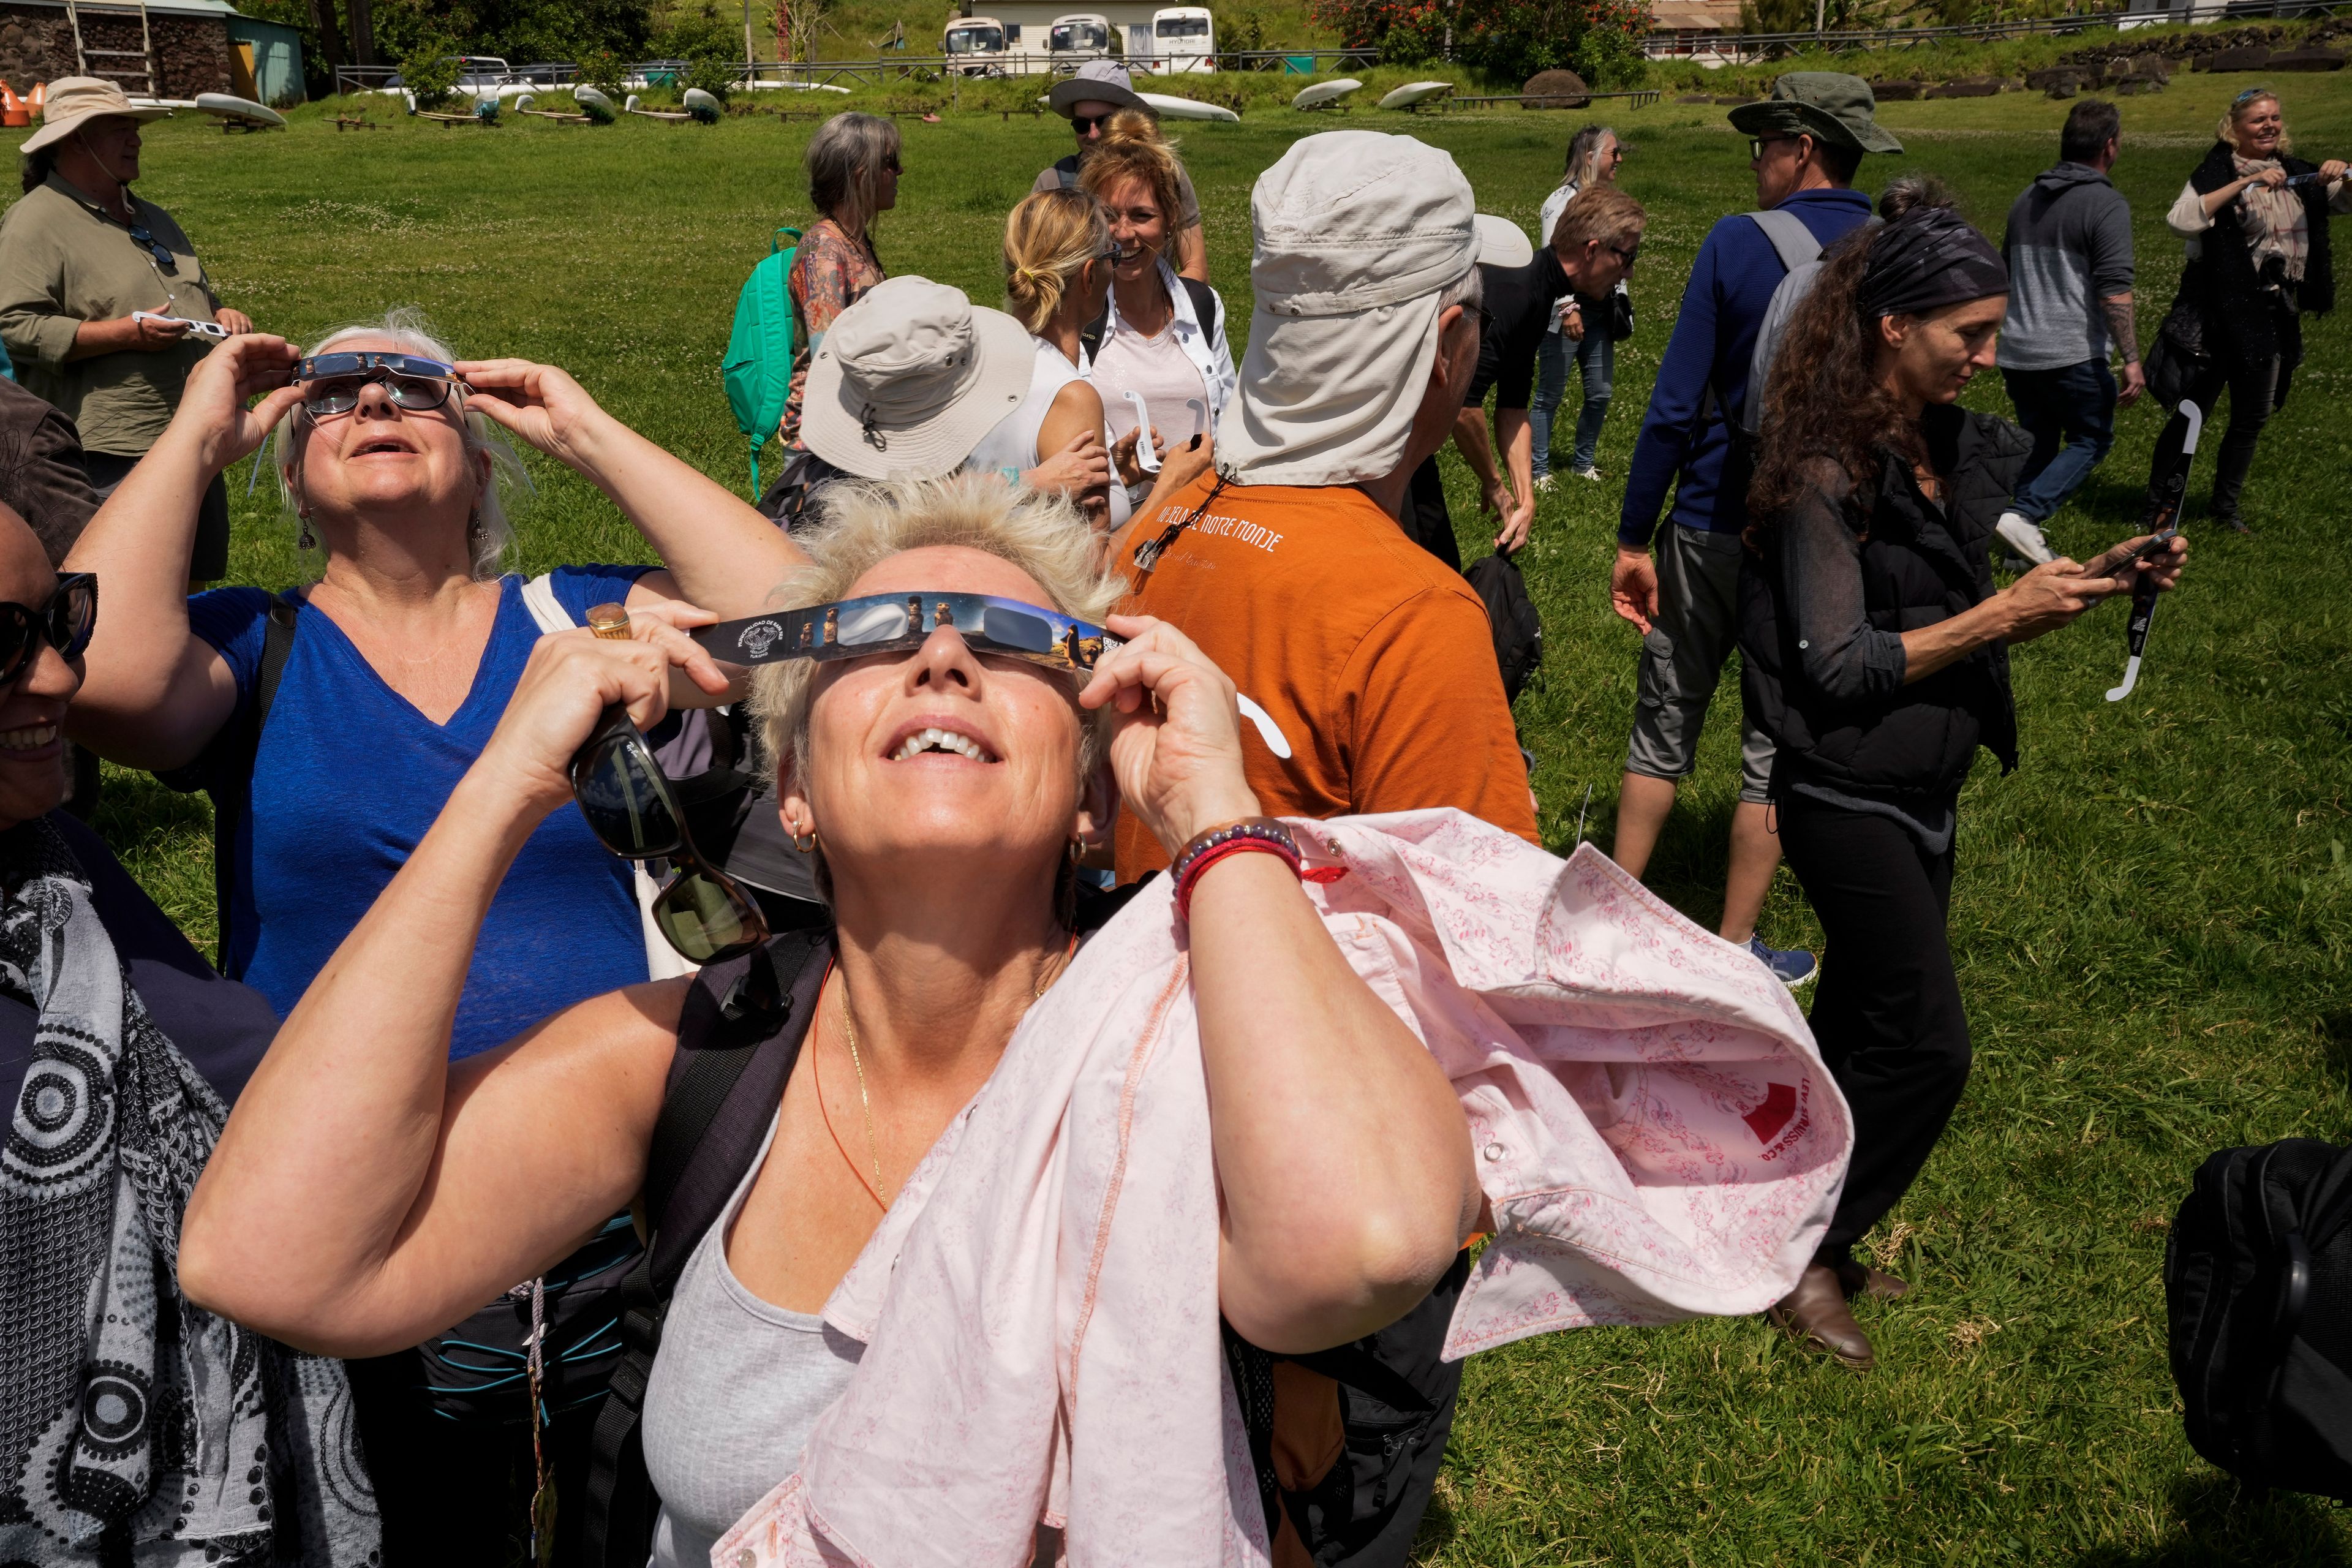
{"x": 1261, "y": 834}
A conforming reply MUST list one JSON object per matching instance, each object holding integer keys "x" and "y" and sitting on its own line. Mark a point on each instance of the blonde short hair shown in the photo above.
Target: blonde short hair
{"x": 406, "y": 329}
{"x": 2227, "y": 130}
{"x": 1048, "y": 241}
{"x": 863, "y": 525}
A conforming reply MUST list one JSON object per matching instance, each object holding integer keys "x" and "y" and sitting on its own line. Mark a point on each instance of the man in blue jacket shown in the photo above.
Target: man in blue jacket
{"x": 1805, "y": 142}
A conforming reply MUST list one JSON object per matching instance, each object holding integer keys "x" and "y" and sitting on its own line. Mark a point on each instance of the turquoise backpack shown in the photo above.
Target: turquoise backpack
{"x": 758, "y": 367}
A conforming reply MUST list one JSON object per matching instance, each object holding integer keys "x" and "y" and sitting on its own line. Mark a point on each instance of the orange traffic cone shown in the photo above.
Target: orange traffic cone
{"x": 13, "y": 111}
{"x": 40, "y": 96}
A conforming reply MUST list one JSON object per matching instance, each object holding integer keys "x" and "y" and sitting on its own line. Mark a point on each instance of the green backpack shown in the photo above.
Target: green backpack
{"x": 758, "y": 367}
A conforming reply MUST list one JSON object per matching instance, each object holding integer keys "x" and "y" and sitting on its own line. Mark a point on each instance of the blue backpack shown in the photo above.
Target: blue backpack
{"x": 758, "y": 365}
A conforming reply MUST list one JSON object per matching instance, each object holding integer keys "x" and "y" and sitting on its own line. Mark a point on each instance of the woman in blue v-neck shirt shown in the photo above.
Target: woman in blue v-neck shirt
{"x": 405, "y": 651}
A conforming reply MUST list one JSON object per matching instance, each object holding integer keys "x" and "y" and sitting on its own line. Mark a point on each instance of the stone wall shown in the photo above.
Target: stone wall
{"x": 36, "y": 43}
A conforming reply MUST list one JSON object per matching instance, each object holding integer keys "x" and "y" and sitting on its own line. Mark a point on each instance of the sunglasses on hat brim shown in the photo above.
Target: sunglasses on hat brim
{"x": 629, "y": 805}
{"x": 894, "y": 623}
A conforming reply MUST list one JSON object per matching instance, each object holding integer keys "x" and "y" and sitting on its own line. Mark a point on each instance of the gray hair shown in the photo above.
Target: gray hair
{"x": 864, "y": 525}
{"x": 844, "y": 161}
{"x": 1469, "y": 291}
{"x": 406, "y": 327}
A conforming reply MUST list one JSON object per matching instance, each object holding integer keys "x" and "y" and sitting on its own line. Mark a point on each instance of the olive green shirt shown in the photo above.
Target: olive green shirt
{"x": 63, "y": 262}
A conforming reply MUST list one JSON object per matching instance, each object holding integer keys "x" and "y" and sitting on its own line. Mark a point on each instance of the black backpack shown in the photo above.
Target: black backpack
{"x": 1519, "y": 631}
{"x": 2258, "y": 1285}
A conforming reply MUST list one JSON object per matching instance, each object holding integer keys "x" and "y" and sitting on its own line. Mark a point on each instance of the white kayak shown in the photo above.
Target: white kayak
{"x": 1323, "y": 94}
{"x": 583, "y": 93}
{"x": 1413, "y": 92}
{"x": 1188, "y": 108}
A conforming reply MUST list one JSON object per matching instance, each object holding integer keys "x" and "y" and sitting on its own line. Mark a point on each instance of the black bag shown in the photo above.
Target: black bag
{"x": 2180, "y": 354}
{"x": 2258, "y": 1287}
{"x": 1620, "y": 315}
{"x": 1519, "y": 631}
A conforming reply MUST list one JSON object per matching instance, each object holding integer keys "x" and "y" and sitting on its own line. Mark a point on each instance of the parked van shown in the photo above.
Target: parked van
{"x": 974, "y": 46}
{"x": 1183, "y": 40}
{"x": 1077, "y": 38}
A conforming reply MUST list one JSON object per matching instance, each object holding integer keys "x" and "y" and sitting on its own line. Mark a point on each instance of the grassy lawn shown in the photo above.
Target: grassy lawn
{"x": 2151, "y": 917}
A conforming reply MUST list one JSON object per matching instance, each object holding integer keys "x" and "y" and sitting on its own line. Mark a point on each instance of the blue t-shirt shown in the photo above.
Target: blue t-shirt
{"x": 348, "y": 777}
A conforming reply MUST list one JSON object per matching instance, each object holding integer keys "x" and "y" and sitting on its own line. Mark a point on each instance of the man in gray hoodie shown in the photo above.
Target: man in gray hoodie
{"x": 2069, "y": 249}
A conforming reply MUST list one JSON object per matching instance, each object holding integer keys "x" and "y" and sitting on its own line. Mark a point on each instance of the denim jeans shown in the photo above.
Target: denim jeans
{"x": 1596, "y": 356}
{"x": 2071, "y": 414}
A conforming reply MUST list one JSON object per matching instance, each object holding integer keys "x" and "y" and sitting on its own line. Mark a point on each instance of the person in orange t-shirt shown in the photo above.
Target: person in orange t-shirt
{"x": 1366, "y": 669}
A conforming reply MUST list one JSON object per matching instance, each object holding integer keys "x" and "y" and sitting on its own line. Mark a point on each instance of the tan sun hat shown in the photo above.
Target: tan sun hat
{"x": 74, "y": 100}
{"x": 911, "y": 378}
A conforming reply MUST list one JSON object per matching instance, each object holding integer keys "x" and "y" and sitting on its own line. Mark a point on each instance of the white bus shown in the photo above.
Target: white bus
{"x": 1183, "y": 40}
{"x": 1077, "y": 38}
{"x": 974, "y": 46}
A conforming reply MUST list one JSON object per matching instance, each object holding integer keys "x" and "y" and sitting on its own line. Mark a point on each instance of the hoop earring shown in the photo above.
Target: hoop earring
{"x": 1075, "y": 850}
{"x": 805, "y": 842}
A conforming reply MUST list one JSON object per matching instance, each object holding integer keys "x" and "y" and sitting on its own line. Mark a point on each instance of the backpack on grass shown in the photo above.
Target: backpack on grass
{"x": 757, "y": 365}
{"x": 2258, "y": 1288}
{"x": 1511, "y": 615}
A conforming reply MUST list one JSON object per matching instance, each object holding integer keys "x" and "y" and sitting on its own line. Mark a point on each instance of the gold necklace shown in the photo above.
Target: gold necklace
{"x": 866, "y": 1099}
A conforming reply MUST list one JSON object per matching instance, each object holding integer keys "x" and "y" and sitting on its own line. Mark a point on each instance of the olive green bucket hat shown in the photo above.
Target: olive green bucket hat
{"x": 1830, "y": 105}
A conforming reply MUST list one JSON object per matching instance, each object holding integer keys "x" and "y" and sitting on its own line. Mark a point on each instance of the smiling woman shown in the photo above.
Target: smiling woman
{"x": 329, "y": 723}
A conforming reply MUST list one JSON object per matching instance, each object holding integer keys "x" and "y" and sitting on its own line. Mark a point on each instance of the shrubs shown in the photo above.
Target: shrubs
{"x": 429, "y": 71}
{"x": 1510, "y": 40}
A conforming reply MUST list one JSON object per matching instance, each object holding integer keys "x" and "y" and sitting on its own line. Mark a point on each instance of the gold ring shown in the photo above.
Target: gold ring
{"x": 609, "y": 621}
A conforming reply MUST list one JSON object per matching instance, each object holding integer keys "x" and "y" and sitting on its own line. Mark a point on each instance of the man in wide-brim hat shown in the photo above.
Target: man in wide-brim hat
{"x": 1087, "y": 100}
{"x": 81, "y": 261}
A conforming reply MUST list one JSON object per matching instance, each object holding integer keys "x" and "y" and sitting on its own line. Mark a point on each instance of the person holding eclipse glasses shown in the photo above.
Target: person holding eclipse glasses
{"x": 383, "y": 680}
{"x": 955, "y": 716}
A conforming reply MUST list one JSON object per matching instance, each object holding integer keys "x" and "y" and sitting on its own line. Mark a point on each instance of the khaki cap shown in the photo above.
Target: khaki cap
{"x": 911, "y": 378}
{"x": 75, "y": 100}
{"x": 1831, "y": 105}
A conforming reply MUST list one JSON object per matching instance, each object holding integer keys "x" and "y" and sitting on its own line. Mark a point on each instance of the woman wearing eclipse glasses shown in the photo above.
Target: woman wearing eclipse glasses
{"x": 383, "y": 682}
{"x": 936, "y": 1139}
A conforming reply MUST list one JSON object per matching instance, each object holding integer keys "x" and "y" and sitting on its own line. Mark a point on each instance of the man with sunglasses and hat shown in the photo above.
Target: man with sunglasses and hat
{"x": 104, "y": 305}
{"x": 1805, "y": 143}
{"x": 1087, "y": 100}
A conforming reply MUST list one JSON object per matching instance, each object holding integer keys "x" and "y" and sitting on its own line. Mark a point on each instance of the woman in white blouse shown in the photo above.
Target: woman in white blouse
{"x": 1164, "y": 336}
{"x": 2255, "y": 218}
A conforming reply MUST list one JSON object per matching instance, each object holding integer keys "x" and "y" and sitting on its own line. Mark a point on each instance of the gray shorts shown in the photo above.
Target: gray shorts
{"x": 1695, "y": 630}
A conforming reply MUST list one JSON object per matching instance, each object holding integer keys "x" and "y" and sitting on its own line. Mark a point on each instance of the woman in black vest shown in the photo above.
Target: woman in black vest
{"x": 2258, "y": 258}
{"x": 1876, "y": 658}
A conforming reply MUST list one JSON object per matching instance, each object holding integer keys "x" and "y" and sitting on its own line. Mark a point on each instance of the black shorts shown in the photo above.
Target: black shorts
{"x": 209, "y": 563}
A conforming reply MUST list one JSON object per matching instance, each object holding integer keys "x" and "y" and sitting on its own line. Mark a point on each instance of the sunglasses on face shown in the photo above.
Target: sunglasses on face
{"x": 1086, "y": 124}
{"x": 156, "y": 249}
{"x": 1628, "y": 257}
{"x": 896, "y": 623}
{"x": 332, "y": 384}
{"x": 64, "y": 623}
{"x": 629, "y": 803}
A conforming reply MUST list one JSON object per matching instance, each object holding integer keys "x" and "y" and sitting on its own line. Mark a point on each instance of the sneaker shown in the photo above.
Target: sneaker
{"x": 2022, "y": 535}
{"x": 2232, "y": 521}
{"x": 1587, "y": 472}
{"x": 1543, "y": 481}
{"x": 1792, "y": 968}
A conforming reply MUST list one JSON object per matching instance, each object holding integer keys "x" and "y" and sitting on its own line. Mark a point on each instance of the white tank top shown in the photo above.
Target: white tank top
{"x": 1011, "y": 448}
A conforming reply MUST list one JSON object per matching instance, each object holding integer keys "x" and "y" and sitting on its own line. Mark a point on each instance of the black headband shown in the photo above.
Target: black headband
{"x": 1925, "y": 260}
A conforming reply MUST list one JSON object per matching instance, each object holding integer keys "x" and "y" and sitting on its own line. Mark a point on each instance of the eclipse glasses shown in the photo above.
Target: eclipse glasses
{"x": 332, "y": 384}
{"x": 892, "y": 623}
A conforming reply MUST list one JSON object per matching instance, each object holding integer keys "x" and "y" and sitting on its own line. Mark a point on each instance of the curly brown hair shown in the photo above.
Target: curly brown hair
{"x": 1823, "y": 397}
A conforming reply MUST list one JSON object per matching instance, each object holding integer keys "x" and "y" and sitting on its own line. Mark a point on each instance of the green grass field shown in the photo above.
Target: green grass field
{"x": 2152, "y": 916}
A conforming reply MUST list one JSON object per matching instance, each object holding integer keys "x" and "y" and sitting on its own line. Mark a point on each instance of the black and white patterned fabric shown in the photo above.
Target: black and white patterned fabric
{"x": 132, "y": 1423}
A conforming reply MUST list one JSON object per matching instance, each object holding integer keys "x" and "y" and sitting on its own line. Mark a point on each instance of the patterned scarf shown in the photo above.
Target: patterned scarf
{"x": 2275, "y": 221}
{"x": 131, "y": 1421}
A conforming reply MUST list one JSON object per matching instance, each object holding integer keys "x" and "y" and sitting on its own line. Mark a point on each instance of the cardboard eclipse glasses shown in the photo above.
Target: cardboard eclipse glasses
{"x": 891, "y": 623}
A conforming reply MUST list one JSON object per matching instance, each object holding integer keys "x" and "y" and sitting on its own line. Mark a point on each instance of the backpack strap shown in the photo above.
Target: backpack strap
{"x": 1207, "y": 309}
{"x": 242, "y": 756}
{"x": 1792, "y": 240}
{"x": 739, "y": 1034}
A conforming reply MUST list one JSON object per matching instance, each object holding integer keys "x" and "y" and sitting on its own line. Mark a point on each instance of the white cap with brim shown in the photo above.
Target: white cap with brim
{"x": 1358, "y": 233}
{"x": 74, "y": 102}
{"x": 910, "y": 379}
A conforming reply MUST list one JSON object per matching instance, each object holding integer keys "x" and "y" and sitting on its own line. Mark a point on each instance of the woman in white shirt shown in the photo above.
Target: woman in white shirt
{"x": 1164, "y": 337}
{"x": 1593, "y": 154}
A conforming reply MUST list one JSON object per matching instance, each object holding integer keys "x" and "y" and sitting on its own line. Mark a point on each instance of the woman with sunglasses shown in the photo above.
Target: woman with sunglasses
{"x": 104, "y": 307}
{"x": 853, "y": 174}
{"x": 119, "y": 1049}
{"x": 2254, "y": 217}
{"x": 389, "y": 675}
{"x": 945, "y": 771}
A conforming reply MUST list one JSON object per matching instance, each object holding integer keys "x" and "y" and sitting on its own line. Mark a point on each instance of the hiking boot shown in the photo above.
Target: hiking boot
{"x": 1814, "y": 1314}
{"x": 1861, "y": 1279}
{"x": 2021, "y": 534}
{"x": 1792, "y": 966}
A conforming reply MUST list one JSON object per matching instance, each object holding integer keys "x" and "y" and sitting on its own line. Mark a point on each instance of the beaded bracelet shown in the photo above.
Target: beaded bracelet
{"x": 1262, "y": 835}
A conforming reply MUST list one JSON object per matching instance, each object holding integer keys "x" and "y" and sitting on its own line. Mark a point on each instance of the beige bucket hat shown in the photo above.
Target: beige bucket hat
{"x": 911, "y": 378}
{"x": 75, "y": 100}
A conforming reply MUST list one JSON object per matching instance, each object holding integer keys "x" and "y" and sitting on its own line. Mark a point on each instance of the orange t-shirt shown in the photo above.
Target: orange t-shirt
{"x": 1366, "y": 669}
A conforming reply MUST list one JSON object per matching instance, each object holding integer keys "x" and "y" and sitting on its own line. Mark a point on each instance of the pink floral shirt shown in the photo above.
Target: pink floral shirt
{"x": 830, "y": 274}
